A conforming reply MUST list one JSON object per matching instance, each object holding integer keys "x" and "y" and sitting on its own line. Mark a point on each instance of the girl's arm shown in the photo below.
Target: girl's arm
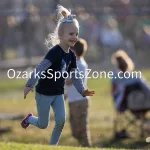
{"x": 48, "y": 60}
{"x": 44, "y": 65}
{"x": 77, "y": 81}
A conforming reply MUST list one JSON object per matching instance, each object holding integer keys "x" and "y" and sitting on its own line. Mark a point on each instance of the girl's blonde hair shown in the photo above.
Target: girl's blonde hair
{"x": 61, "y": 13}
{"x": 121, "y": 56}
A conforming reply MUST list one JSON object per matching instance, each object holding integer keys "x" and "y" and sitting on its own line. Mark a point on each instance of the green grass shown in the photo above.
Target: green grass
{"x": 101, "y": 114}
{"x": 11, "y": 85}
{"x": 16, "y": 146}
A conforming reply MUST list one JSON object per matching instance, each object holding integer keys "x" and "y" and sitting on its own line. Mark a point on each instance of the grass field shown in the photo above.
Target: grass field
{"x": 19, "y": 146}
{"x": 101, "y": 115}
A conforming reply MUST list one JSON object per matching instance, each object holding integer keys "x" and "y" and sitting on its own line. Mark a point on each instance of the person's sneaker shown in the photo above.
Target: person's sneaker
{"x": 24, "y": 122}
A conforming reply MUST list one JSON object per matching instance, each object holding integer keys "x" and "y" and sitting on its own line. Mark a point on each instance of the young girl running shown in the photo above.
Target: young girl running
{"x": 49, "y": 91}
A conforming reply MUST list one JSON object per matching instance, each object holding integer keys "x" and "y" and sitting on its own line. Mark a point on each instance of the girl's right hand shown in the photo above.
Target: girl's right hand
{"x": 26, "y": 91}
{"x": 88, "y": 93}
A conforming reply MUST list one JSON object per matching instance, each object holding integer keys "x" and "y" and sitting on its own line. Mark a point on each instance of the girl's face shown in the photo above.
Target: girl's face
{"x": 70, "y": 35}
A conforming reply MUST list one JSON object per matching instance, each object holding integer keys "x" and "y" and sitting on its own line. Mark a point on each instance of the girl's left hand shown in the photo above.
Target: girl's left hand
{"x": 27, "y": 90}
{"x": 88, "y": 93}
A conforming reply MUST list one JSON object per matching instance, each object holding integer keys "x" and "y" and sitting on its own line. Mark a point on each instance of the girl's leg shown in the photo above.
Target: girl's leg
{"x": 59, "y": 114}
{"x": 43, "y": 108}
